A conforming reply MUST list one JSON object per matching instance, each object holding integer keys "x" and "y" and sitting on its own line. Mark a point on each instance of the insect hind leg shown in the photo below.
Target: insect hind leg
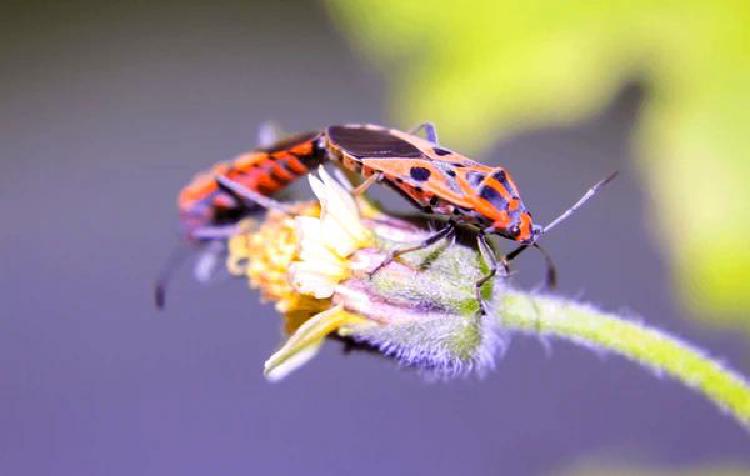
{"x": 209, "y": 260}
{"x": 268, "y": 133}
{"x": 429, "y": 129}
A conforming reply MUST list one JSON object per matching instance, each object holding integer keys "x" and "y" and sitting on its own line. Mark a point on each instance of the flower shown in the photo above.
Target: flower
{"x": 314, "y": 263}
{"x": 421, "y": 310}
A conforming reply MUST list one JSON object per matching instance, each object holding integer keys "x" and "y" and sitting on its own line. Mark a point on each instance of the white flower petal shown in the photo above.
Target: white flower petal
{"x": 327, "y": 243}
{"x": 305, "y": 342}
{"x": 339, "y": 196}
{"x": 313, "y": 284}
{"x": 320, "y": 267}
{"x": 318, "y": 189}
{"x": 276, "y": 371}
{"x": 308, "y": 229}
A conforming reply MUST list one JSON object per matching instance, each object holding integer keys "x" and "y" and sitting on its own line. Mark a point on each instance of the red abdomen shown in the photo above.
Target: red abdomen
{"x": 265, "y": 170}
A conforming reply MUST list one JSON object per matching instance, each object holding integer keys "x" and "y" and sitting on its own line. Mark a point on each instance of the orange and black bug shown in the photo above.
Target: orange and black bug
{"x": 209, "y": 210}
{"x": 439, "y": 182}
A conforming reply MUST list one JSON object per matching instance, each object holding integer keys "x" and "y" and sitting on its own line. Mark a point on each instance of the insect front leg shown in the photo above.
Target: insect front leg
{"x": 429, "y": 131}
{"x": 489, "y": 257}
{"x": 447, "y": 232}
{"x": 362, "y": 188}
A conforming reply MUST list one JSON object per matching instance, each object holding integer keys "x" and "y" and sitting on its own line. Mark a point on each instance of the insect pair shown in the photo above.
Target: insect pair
{"x": 437, "y": 180}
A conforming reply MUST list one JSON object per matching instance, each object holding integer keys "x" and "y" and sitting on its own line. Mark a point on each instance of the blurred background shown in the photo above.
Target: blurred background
{"x": 107, "y": 109}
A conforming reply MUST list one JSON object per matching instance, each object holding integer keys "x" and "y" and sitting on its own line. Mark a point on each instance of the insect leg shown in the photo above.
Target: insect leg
{"x": 209, "y": 232}
{"x": 446, "y": 232}
{"x": 252, "y": 196}
{"x": 208, "y": 260}
{"x": 429, "y": 131}
{"x": 268, "y": 133}
{"x": 362, "y": 188}
{"x": 489, "y": 257}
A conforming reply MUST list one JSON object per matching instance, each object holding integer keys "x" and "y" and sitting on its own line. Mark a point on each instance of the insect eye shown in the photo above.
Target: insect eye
{"x": 515, "y": 230}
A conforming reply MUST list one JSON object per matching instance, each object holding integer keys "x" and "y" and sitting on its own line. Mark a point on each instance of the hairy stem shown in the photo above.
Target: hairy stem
{"x": 583, "y": 324}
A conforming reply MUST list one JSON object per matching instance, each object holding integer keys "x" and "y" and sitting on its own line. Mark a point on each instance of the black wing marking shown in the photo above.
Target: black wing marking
{"x": 375, "y": 143}
{"x": 291, "y": 141}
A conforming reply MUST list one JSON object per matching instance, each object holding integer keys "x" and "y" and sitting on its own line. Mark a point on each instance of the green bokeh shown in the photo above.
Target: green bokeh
{"x": 483, "y": 69}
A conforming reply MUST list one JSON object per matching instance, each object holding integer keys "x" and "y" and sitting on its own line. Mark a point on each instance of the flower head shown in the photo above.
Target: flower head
{"x": 314, "y": 263}
{"x": 422, "y": 310}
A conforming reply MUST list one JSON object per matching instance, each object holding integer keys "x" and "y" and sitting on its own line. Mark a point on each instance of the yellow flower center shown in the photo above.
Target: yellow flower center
{"x": 264, "y": 254}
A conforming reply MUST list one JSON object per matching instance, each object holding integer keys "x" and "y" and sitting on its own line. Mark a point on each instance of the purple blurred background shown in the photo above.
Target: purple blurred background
{"x": 107, "y": 109}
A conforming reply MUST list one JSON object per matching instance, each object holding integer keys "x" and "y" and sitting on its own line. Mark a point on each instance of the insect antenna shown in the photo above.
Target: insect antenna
{"x": 174, "y": 260}
{"x": 551, "y": 276}
{"x": 586, "y": 196}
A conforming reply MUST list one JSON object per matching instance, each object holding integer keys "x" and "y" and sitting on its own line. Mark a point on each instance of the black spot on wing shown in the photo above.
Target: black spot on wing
{"x": 493, "y": 196}
{"x": 374, "y": 143}
{"x": 420, "y": 174}
{"x": 501, "y": 177}
{"x": 441, "y": 151}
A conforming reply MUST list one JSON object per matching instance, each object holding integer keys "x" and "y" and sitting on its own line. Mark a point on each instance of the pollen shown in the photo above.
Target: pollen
{"x": 263, "y": 254}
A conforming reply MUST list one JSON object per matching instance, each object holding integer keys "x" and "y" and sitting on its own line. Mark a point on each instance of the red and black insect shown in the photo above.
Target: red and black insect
{"x": 209, "y": 210}
{"x": 435, "y": 179}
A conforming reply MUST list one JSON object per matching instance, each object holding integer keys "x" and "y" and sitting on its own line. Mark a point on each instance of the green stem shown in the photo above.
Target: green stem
{"x": 553, "y": 316}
